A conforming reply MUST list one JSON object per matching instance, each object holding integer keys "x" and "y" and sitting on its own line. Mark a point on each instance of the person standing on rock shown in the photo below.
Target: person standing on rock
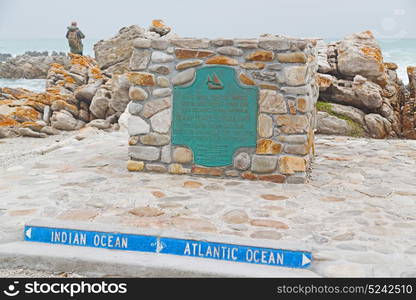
{"x": 74, "y": 36}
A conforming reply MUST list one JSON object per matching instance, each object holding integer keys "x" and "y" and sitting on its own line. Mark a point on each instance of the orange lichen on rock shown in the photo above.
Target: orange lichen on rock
{"x": 143, "y": 79}
{"x": 368, "y": 33}
{"x": 207, "y": 171}
{"x": 69, "y": 79}
{"x": 84, "y": 61}
{"x": 276, "y": 178}
{"x": 25, "y": 113}
{"x": 253, "y": 65}
{"x": 391, "y": 66}
{"x": 6, "y": 102}
{"x": 221, "y": 60}
{"x": 266, "y": 146}
{"x": 374, "y": 53}
{"x": 323, "y": 81}
{"x": 158, "y": 24}
{"x": 39, "y": 106}
{"x": 260, "y": 55}
{"x": 17, "y": 93}
{"x": 249, "y": 176}
{"x": 56, "y": 66}
{"x": 63, "y": 105}
{"x": 21, "y": 107}
{"x": 188, "y": 53}
{"x": 60, "y": 70}
{"x": 311, "y": 141}
{"x": 53, "y": 94}
{"x": 6, "y": 121}
{"x": 301, "y": 105}
{"x": 96, "y": 73}
{"x": 41, "y": 98}
{"x": 268, "y": 86}
{"x": 32, "y": 125}
{"x": 246, "y": 80}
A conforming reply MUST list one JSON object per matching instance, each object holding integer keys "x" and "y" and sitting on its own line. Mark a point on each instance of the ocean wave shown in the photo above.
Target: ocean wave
{"x": 35, "y": 85}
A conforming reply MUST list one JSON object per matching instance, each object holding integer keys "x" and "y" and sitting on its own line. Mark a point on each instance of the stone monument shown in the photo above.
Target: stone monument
{"x": 242, "y": 108}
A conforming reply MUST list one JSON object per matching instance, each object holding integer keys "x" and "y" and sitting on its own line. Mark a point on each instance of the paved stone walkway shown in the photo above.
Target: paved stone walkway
{"x": 358, "y": 213}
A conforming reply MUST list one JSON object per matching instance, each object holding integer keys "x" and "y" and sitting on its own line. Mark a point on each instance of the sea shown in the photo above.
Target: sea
{"x": 400, "y": 51}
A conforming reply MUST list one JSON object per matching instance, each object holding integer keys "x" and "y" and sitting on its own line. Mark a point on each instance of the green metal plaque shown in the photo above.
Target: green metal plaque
{"x": 214, "y": 116}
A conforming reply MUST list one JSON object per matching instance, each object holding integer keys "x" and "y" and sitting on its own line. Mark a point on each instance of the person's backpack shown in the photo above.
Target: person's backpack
{"x": 73, "y": 39}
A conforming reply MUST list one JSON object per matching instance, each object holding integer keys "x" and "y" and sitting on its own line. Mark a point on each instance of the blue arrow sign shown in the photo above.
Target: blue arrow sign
{"x": 167, "y": 245}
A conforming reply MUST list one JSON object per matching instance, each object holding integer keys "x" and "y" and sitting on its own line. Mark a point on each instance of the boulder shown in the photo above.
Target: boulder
{"x": 65, "y": 95}
{"x": 159, "y": 27}
{"x": 359, "y": 78}
{"x": 100, "y": 102}
{"x": 123, "y": 120}
{"x": 4, "y": 132}
{"x": 31, "y": 133}
{"x": 340, "y": 119}
{"x": 324, "y": 81}
{"x": 84, "y": 115}
{"x": 350, "y": 112}
{"x": 99, "y": 123}
{"x": 322, "y": 57}
{"x": 139, "y": 59}
{"x": 113, "y": 55}
{"x": 58, "y": 105}
{"x": 50, "y": 130}
{"x": 35, "y": 126}
{"x": 63, "y": 120}
{"x": 327, "y": 124}
{"x": 136, "y": 126}
{"x": 378, "y": 126}
{"x": 30, "y": 65}
{"x": 360, "y": 54}
{"x": 366, "y": 95}
{"x": 120, "y": 92}
{"x": 86, "y": 93}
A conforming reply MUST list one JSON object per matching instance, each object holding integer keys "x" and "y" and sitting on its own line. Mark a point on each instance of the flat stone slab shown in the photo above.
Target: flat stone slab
{"x": 212, "y": 247}
{"x": 350, "y": 228}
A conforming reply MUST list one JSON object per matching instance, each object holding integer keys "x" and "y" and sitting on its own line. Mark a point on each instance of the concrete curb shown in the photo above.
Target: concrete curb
{"x": 93, "y": 262}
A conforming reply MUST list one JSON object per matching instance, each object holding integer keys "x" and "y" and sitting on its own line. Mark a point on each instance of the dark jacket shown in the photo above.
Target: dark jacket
{"x": 75, "y": 45}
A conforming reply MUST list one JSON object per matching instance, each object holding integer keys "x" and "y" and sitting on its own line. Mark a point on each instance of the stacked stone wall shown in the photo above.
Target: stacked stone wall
{"x": 282, "y": 68}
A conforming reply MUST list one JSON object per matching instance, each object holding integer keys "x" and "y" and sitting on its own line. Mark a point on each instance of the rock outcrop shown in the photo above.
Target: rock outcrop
{"x": 113, "y": 55}
{"x": 122, "y": 52}
{"x": 31, "y": 65}
{"x": 126, "y": 52}
{"x": 80, "y": 91}
{"x": 360, "y": 94}
{"x": 159, "y": 27}
{"x": 67, "y": 104}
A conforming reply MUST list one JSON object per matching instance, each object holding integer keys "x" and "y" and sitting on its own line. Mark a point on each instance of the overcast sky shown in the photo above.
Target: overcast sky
{"x": 210, "y": 18}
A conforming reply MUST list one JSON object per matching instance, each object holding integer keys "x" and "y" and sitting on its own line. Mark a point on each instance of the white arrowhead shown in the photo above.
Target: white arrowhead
{"x": 305, "y": 260}
{"x": 159, "y": 246}
{"x": 29, "y": 233}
